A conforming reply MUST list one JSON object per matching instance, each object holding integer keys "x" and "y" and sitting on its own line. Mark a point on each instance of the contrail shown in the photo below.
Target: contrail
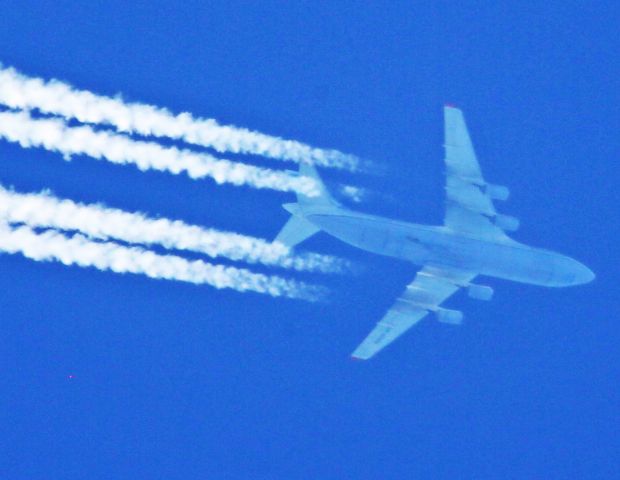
{"x": 99, "y": 222}
{"x": 55, "y": 97}
{"x": 78, "y": 250}
{"x": 55, "y": 135}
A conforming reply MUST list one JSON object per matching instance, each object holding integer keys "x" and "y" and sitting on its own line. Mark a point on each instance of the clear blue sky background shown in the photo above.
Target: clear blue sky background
{"x": 176, "y": 381}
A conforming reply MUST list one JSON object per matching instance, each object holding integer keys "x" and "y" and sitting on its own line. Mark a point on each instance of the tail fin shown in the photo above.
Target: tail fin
{"x": 298, "y": 228}
{"x": 324, "y": 197}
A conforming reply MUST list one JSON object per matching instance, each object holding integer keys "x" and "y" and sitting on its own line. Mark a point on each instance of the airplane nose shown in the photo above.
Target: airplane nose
{"x": 583, "y": 274}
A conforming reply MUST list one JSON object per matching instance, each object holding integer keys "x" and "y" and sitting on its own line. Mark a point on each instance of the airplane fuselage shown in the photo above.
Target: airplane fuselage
{"x": 472, "y": 241}
{"x": 438, "y": 245}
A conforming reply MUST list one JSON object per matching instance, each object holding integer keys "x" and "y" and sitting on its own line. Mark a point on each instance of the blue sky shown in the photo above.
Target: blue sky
{"x": 178, "y": 381}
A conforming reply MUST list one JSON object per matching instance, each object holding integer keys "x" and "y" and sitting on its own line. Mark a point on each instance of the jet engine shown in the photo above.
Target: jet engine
{"x": 506, "y": 222}
{"x": 453, "y": 317}
{"x": 497, "y": 192}
{"x": 480, "y": 292}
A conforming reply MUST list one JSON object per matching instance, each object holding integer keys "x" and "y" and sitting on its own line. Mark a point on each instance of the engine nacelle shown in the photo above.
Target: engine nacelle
{"x": 453, "y": 317}
{"x": 497, "y": 192}
{"x": 506, "y": 222}
{"x": 480, "y": 292}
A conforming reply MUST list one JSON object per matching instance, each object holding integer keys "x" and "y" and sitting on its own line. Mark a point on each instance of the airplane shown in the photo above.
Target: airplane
{"x": 472, "y": 241}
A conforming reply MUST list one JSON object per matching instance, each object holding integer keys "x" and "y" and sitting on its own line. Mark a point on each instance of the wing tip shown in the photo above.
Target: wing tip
{"x": 361, "y": 355}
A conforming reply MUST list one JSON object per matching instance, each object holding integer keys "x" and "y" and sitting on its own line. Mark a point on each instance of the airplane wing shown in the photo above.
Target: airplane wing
{"x": 431, "y": 287}
{"x": 469, "y": 207}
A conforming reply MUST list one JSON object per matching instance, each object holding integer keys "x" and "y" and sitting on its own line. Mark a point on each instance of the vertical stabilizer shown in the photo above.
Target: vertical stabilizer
{"x": 298, "y": 228}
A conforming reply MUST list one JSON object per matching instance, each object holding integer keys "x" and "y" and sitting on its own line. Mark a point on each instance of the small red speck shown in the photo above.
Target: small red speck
{"x": 70, "y": 377}
{"x": 450, "y": 105}
{"x": 357, "y": 359}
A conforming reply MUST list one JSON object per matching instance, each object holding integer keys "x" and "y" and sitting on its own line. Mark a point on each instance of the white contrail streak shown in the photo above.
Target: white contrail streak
{"x": 55, "y": 135}
{"x": 54, "y": 97}
{"x": 100, "y": 222}
{"x": 78, "y": 250}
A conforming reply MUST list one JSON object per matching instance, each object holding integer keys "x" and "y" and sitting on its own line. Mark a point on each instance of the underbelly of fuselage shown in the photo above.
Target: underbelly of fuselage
{"x": 423, "y": 245}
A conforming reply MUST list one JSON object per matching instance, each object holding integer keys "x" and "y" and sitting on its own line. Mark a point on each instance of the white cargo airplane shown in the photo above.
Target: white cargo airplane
{"x": 471, "y": 242}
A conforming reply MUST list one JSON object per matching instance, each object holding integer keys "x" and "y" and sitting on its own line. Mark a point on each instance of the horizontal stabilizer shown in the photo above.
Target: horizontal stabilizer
{"x": 324, "y": 197}
{"x": 292, "y": 208}
{"x": 295, "y": 231}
